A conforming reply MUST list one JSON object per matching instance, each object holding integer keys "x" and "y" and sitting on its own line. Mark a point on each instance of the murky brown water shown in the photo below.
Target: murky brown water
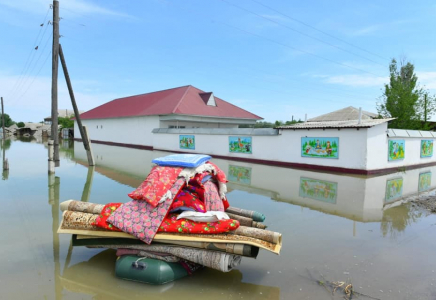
{"x": 335, "y": 228}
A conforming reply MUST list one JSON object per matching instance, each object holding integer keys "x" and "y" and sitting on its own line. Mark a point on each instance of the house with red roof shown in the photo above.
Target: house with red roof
{"x": 130, "y": 120}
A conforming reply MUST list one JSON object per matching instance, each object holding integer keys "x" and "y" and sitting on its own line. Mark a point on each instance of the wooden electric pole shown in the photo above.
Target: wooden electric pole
{"x": 83, "y": 131}
{"x": 5, "y": 161}
{"x": 54, "y": 82}
{"x": 3, "y": 121}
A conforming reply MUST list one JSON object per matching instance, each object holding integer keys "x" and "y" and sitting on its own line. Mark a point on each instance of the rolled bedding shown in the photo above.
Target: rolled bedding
{"x": 220, "y": 261}
{"x": 255, "y": 215}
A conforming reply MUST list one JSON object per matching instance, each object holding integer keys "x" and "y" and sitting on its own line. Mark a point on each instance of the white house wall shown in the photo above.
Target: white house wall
{"x": 364, "y": 149}
{"x": 378, "y": 143}
{"x": 281, "y": 148}
{"x": 352, "y": 147}
{"x": 132, "y": 130}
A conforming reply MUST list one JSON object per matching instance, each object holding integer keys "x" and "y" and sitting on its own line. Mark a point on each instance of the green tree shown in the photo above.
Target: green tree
{"x": 8, "y": 120}
{"x": 21, "y": 124}
{"x": 66, "y": 122}
{"x": 426, "y": 108}
{"x": 401, "y": 96}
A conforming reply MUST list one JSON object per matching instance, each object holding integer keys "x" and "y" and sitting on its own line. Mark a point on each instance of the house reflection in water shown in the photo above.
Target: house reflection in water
{"x": 358, "y": 198}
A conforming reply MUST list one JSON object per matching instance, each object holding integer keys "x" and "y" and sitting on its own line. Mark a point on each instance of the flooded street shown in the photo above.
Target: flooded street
{"x": 335, "y": 228}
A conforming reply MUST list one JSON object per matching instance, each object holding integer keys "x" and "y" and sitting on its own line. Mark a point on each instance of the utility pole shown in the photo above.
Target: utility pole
{"x": 425, "y": 111}
{"x": 5, "y": 161}
{"x": 82, "y": 129}
{"x": 54, "y": 82}
{"x": 3, "y": 121}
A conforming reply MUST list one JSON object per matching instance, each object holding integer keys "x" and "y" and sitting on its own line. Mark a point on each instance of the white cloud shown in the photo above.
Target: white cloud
{"x": 375, "y": 28}
{"x": 366, "y": 30}
{"x": 428, "y": 79}
{"x": 357, "y": 80}
{"x": 33, "y": 102}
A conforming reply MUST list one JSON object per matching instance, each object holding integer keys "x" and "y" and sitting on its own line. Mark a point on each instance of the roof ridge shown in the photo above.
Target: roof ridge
{"x": 153, "y": 92}
{"x": 181, "y": 99}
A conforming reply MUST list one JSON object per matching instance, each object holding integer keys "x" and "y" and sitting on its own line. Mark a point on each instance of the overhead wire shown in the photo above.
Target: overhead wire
{"x": 300, "y": 32}
{"x": 74, "y": 22}
{"x": 34, "y": 77}
{"x": 296, "y": 49}
{"x": 74, "y": 12}
{"x": 283, "y": 92}
{"x": 31, "y": 54}
{"x": 319, "y": 30}
{"x": 288, "y": 46}
{"x": 39, "y": 57}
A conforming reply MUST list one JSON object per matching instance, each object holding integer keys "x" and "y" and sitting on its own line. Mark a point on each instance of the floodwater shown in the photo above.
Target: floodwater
{"x": 335, "y": 228}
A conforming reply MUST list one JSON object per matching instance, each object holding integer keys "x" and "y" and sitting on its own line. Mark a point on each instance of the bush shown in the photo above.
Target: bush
{"x": 21, "y": 124}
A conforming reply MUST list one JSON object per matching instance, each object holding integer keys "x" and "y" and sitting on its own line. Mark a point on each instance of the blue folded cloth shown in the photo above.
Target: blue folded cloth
{"x": 182, "y": 160}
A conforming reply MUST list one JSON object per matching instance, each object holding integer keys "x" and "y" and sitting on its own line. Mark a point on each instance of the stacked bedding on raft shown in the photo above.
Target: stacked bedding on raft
{"x": 178, "y": 216}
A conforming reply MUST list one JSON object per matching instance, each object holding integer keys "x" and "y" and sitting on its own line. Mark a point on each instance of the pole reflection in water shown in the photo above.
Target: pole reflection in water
{"x": 53, "y": 194}
{"x": 5, "y": 175}
{"x": 87, "y": 188}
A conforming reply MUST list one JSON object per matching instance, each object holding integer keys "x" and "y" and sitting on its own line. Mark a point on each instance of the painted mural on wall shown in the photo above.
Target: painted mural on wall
{"x": 187, "y": 142}
{"x": 394, "y": 189}
{"x": 424, "y": 181}
{"x": 396, "y": 150}
{"x": 326, "y": 147}
{"x": 240, "y": 144}
{"x": 426, "y": 148}
{"x": 321, "y": 190}
{"x": 239, "y": 174}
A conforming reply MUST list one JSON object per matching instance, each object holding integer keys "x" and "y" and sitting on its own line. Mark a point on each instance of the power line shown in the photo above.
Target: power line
{"x": 36, "y": 63}
{"x": 76, "y": 23}
{"x": 32, "y": 51}
{"x": 26, "y": 74}
{"x": 296, "y": 49}
{"x": 277, "y": 75}
{"x": 287, "y": 46}
{"x": 302, "y": 33}
{"x": 36, "y": 75}
{"x": 72, "y": 11}
{"x": 319, "y": 30}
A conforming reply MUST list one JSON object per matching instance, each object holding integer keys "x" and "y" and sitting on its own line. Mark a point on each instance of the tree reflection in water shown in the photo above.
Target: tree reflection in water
{"x": 396, "y": 219}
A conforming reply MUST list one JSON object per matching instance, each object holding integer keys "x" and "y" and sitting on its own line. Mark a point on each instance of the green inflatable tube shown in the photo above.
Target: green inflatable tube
{"x": 147, "y": 270}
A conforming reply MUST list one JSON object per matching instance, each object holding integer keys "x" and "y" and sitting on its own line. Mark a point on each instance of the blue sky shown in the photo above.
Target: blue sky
{"x": 263, "y": 59}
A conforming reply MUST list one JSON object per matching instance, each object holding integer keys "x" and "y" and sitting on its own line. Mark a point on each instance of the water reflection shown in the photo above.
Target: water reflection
{"x": 358, "y": 198}
{"x": 396, "y": 219}
{"x": 53, "y": 200}
{"x": 5, "y": 144}
{"x": 304, "y": 207}
{"x": 88, "y": 184}
{"x": 96, "y": 276}
{"x": 88, "y": 277}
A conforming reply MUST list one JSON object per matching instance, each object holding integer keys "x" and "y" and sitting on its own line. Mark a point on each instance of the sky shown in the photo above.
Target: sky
{"x": 278, "y": 59}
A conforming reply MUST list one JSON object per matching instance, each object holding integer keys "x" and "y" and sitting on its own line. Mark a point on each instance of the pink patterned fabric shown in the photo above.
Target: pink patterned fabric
{"x": 157, "y": 183}
{"x": 140, "y": 218}
{"x": 220, "y": 175}
{"x": 212, "y": 199}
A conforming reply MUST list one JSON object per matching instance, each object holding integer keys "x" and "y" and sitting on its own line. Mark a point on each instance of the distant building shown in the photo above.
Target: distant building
{"x": 62, "y": 113}
{"x": 33, "y": 129}
{"x": 130, "y": 120}
{"x": 344, "y": 114}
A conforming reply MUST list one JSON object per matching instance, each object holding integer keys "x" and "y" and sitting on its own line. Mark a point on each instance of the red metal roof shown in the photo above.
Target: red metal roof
{"x": 185, "y": 100}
